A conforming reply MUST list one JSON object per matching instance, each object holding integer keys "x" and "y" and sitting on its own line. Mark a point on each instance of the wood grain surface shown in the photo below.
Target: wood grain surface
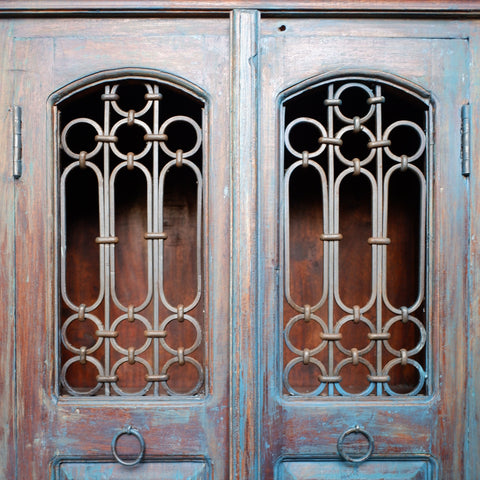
{"x": 244, "y": 427}
{"x": 94, "y": 7}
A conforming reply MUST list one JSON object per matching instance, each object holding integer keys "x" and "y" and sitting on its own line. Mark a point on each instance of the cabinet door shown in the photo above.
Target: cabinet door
{"x": 364, "y": 316}
{"x": 138, "y": 326}
{"x": 122, "y": 257}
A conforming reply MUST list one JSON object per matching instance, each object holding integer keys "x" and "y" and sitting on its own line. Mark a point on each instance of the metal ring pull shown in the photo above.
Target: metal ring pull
{"x": 129, "y": 430}
{"x": 348, "y": 458}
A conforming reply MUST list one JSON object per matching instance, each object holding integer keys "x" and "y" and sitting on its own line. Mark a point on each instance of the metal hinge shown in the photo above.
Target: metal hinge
{"x": 17, "y": 141}
{"x": 466, "y": 140}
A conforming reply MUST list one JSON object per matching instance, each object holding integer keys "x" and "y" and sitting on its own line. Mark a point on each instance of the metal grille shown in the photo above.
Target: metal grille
{"x": 355, "y": 152}
{"x": 127, "y": 158}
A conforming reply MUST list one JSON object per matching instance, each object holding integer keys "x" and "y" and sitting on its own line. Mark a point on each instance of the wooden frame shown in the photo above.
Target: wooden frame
{"x": 246, "y": 431}
{"x": 135, "y": 7}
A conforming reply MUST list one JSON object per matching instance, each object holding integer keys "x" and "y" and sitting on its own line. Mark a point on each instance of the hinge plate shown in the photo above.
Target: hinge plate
{"x": 466, "y": 140}
{"x": 17, "y": 141}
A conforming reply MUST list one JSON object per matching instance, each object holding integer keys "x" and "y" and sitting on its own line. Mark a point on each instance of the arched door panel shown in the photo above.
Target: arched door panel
{"x": 359, "y": 287}
{"x": 119, "y": 212}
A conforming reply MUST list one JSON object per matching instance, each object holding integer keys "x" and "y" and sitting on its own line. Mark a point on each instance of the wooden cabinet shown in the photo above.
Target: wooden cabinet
{"x": 239, "y": 240}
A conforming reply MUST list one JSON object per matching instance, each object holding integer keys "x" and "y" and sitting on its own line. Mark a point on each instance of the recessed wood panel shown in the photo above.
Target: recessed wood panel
{"x": 378, "y": 469}
{"x": 149, "y": 470}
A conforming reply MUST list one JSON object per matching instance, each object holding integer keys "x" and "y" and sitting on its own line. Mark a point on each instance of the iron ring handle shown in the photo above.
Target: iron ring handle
{"x": 348, "y": 458}
{"x": 129, "y": 430}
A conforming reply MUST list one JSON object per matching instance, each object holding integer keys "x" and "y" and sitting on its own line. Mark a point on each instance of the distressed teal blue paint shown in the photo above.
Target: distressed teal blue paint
{"x": 472, "y": 438}
{"x": 154, "y": 470}
{"x": 330, "y": 469}
{"x": 244, "y": 406}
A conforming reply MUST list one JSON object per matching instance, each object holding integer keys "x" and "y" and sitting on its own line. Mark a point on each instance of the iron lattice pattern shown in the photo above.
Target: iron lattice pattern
{"x": 354, "y": 240}
{"x": 131, "y": 313}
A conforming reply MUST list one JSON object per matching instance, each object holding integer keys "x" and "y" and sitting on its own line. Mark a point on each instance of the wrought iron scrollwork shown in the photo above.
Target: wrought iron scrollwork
{"x": 332, "y": 163}
{"x": 106, "y": 157}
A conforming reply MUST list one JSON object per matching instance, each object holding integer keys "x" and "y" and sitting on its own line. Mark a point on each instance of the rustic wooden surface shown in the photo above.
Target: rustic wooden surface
{"x": 245, "y": 412}
{"x": 145, "y": 471}
{"x": 428, "y": 7}
{"x": 245, "y": 400}
{"x": 472, "y": 439}
{"x": 50, "y": 427}
{"x": 415, "y": 425}
{"x": 391, "y": 469}
{"x": 7, "y": 271}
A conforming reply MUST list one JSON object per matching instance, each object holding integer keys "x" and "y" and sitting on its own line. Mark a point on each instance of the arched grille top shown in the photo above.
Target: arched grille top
{"x": 356, "y": 159}
{"x": 130, "y": 176}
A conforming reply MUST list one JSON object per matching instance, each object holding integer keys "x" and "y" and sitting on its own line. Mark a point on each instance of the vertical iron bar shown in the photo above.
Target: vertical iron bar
{"x": 379, "y": 250}
{"x": 331, "y": 246}
{"x": 428, "y": 169}
{"x": 156, "y": 341}
{"x": 57, "y": 235}
{"x": 108, "y": 223}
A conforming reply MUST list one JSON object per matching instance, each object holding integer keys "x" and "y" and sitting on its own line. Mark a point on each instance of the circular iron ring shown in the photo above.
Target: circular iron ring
{"x": 348, "y": 458}
{"x": 129, "y": 430}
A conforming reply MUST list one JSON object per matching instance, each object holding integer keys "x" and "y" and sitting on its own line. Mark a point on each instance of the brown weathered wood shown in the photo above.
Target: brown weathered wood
{"x": 297, "y": 427}
{"x": 472, "y": 441}
{"x": 452, "y": 335}
{"x": 244, "y": 401}
{"x": 7, "y": 271}
{"x": 244, "y": 427}
{"x": 65, "y": 427}
{"x": 194, "y": 470}
{"x": 35, "y": 274}
{"x": 159, "y": 6}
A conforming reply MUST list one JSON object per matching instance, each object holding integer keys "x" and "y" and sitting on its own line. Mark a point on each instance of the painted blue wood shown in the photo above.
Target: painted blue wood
{"x": 288, "y": 426}
{"x": 48, "y": 426}
{"x": 432, "y": 424}
{"x": 378, "y": 469}
{"x": 472, "y": 438}
{"x": 146, "y": 471}
{"x": 244, "y": 422}
{"x": 7, "y": 274}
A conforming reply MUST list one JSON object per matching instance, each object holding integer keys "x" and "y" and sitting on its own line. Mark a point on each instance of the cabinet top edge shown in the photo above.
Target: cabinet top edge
{"x": 336, "y": 7}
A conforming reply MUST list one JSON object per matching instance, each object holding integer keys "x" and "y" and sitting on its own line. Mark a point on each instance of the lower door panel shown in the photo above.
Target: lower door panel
{"x": 152, "y": 470}
{"x": 406, "y": 468}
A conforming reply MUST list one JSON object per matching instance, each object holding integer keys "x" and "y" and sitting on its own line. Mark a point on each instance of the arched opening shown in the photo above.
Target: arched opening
{"x": 130, "y": 181}
{"x": 356, "y": 169}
